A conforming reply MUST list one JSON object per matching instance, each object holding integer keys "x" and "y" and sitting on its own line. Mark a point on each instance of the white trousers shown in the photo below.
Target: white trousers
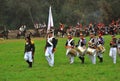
{"x": 28, "y": 56}
{"x": 93, "y": 58}
{"x": 113, "y": 53}
{"x": 71, "y": 58}
{"x": 49, "y": 56}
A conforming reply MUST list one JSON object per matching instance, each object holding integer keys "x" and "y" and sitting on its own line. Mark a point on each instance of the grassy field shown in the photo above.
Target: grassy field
{"x": 14, "y": 68}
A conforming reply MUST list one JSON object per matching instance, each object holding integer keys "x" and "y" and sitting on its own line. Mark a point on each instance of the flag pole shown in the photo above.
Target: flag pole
{"x": 50, "y": 20}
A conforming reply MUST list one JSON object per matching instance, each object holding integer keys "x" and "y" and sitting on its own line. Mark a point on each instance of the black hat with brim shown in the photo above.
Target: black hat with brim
{"x": 28, "y": 37}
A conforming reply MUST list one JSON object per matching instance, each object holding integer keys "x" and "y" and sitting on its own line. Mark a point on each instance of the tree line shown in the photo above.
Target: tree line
{"x": 14, "y": 13}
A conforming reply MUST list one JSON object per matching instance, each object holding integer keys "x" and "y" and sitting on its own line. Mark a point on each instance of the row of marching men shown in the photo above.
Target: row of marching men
{"x": 95, "y": 48}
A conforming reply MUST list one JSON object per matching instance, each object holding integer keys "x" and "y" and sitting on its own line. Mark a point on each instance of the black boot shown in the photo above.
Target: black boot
{"x": 30, "y": 64}
{"x": 101, "y": 59}
{"x": 82, "y": 59}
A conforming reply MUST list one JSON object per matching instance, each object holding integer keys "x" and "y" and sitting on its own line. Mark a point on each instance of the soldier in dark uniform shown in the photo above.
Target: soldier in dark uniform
{"x": 113, "y": 49}
{"x": 50, "y": 47}
{"x": 69, "y": 45}
{"x": 82, "y": 43}
{"x": 118, "y": 46}
{"x": 92, "y": 44}
{"x": 100, "y": 41}
{"x": 29, "y": 51}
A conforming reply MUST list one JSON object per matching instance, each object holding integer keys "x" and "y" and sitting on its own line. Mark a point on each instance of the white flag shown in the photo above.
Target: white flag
{"x": 50, "y": 20}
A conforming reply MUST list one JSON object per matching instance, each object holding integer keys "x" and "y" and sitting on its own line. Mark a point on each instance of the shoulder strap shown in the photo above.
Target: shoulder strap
{"x": 32, "y": 42}
{"x": 70, "y": 40}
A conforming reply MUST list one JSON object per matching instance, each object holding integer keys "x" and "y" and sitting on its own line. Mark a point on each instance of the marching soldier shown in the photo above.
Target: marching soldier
{"x": 118, "y": 47}
{"x": 29, "y": 51}
{"x": 100, "y": 42}
{"x": 92, "y": 44}
{"x": 113, "y": 48}
{"x": 82, "y": 43}
{"x": 50, "y": 47}
{"x": 69, "y": 45}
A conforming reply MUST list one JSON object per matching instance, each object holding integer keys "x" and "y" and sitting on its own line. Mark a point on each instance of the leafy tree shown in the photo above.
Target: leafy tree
{"x": 14, "y": 13}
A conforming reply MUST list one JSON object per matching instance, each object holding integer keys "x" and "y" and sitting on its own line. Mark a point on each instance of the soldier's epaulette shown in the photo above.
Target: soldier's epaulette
{"x": 32, "y": 42}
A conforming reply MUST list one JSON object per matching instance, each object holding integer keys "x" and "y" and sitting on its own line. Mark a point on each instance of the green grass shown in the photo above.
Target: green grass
{"x": 14, "y": 68}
